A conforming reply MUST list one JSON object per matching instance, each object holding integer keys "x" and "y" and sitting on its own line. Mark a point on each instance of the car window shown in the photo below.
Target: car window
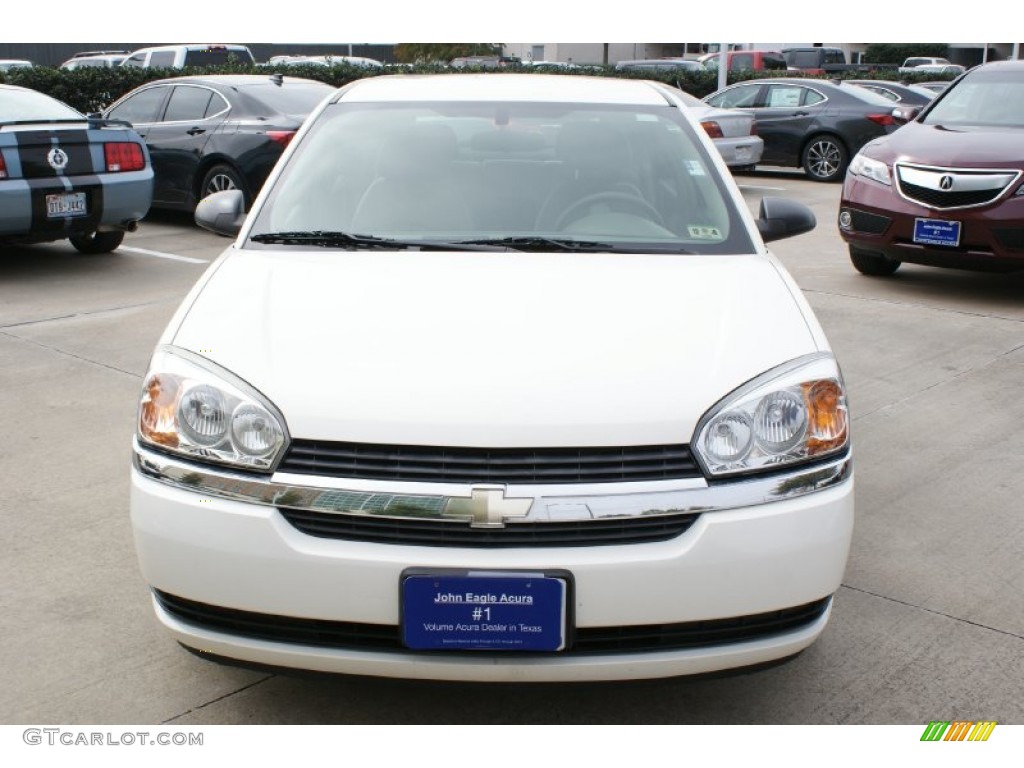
{"x": 138, "y": 60}
{"x": 742, "y": 61}
{"x": 983, "y": 97}
{"x": 464, "y": 171}
{"x": 296, "y": 98}
{"x": 740, "y": 96}
{"x": 215, "y": 56}
{"x": 187, "y": 103}
{"x": 162, "y": 59}
{"x": 32, "y": 105}
{"x": 804, "y": 59}
{"x": 141, "y": 107}
{"x": 217, "y": 105}
{"x": 771, "y": 61}
{"x": 781, "y": 96}
{"x": 834, "y": 56}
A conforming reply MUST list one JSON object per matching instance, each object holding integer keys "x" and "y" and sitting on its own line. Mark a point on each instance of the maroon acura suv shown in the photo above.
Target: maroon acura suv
{"x": 945, "y": 189}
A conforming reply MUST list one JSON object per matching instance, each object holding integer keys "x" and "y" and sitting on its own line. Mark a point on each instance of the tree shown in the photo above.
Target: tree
{"x": 413, "y": 53}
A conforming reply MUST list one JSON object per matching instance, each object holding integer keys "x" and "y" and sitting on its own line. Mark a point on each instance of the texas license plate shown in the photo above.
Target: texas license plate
{"x": 484, "y": 611}
{"x": 65, "y": 204}
{"x": 937, "y": 232}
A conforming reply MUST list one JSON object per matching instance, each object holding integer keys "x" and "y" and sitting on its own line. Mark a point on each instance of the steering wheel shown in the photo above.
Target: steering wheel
{"x": 622, "y": 200}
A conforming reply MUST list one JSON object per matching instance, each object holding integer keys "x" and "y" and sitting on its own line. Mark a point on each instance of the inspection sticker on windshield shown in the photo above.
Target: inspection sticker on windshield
{"x": 705, "y": 233}
{"x": 695, "y": 168}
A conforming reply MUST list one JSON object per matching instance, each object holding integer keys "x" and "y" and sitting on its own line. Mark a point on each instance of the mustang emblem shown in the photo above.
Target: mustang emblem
{"x": 57, "y": 158}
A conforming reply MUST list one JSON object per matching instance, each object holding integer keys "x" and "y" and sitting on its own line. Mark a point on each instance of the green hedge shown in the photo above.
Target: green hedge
{"x": 93, "y": 89}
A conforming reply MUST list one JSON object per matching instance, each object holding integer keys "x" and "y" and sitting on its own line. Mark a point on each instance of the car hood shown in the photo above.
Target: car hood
{"x": 960, "y": 146}
{"x": 495, "y": 349}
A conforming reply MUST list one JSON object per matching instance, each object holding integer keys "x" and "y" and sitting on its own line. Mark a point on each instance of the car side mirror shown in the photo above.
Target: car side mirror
{"x": 781, "y": 217}
{"x": 905, "y": 114}
{"x": 222, "y": 212}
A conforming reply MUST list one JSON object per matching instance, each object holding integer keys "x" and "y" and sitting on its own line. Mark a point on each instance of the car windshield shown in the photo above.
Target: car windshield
{"x": 18, "y": 105}
{"x": 605, "y": 177}
{"x": 984, "y": 97}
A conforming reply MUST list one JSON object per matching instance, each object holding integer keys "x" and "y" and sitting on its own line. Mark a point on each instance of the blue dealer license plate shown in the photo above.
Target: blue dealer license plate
{"x": 937, "y": 232}
{"x": 484, "y": 611}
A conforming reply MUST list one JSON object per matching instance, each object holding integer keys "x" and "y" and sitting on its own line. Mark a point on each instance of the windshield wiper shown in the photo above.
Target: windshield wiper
{"x": 534, "y": 243}
{"x": 330, "y": 239}
{"x": 537, "y": 243}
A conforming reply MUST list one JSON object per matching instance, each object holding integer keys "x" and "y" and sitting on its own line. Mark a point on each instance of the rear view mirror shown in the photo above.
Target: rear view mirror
{"x": 781, "y": 217}
{"x": 222, "y": 212}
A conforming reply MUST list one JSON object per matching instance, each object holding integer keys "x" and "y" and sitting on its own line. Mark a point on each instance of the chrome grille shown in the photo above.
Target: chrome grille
{"x": 950, "y": 188}
{"x": 431, "y": 464}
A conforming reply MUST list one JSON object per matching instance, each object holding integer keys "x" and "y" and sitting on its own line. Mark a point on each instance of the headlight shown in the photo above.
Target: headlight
{"x": 792, "y": 414}
{"x": 192, "y": 407}
{"x": 875, "y": 170}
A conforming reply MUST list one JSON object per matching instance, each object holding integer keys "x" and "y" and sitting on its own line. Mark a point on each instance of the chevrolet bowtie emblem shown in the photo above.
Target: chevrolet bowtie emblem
{"x": 487, "y": 508}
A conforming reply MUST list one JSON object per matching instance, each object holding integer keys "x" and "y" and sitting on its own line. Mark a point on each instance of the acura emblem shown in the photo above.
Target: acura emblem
{"x": 487, "y": 508}
{"x": 946, "y": 183}
{"x": 57, "y": 158}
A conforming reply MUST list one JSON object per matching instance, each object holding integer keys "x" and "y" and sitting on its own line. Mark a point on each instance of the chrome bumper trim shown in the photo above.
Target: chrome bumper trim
{"x": 591, "y": 502}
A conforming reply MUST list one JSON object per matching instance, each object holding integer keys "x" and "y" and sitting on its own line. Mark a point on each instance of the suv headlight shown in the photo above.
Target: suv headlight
{"x": 875, "y": 170}
{"x": 790, "y": 415}
{"x": 195, "y": 408}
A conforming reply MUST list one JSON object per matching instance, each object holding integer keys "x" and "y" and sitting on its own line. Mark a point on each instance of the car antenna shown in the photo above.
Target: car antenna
{"x": 277, "y": 79}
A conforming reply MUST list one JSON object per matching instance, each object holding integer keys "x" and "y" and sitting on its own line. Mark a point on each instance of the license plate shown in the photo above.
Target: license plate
{"x": 743, "y": 153}
{"x": 937, "y": 232}
{"x": 65, "y": 204}
{"x": 484, "y": 611}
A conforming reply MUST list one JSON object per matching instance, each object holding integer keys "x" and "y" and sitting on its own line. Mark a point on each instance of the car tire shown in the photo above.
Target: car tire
{"x": 221, "y": 177}
{"x": 873, "y": 264}
{"x": 97, "y": 242}
{"x": 825, "y": 158}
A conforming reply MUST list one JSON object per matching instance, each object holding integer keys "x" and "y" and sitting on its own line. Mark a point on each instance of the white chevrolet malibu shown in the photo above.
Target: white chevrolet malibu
{"x": 497, "y": 382}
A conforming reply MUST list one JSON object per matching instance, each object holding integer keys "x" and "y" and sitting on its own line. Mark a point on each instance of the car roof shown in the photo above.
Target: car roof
{"x": 578, "y": 89}
{"x": 238, "y": 81}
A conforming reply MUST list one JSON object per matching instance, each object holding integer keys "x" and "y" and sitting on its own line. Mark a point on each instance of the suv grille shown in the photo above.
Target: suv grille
{"x": 385, "y": 637}
{"x": 937, "y": 199}
{"x": 490, "y": 465}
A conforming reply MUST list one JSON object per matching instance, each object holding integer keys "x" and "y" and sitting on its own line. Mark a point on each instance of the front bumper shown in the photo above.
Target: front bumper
{"x": 732, "y": 565}
{"x": 991, "y": 239}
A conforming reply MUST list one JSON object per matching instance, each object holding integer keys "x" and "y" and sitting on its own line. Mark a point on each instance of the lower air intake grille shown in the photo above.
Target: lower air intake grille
{"x": 435, "y": 533}
{"x": 604, "y": 640}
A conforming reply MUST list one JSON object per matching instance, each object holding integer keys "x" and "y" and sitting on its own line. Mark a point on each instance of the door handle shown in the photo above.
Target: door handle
{"x": 195, "y": 131}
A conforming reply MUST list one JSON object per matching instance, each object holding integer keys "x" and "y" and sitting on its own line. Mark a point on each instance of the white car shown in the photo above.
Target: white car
{"x": 497, "y": 382}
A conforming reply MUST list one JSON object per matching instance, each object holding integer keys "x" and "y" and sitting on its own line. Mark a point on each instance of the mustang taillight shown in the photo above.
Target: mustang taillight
{"x": 281, "y": 137}
{"x": 124, "y": 156}
{"x": 714, "y": 130}
{"x": 883, "y": 119}
{"x": 3, "y": 167}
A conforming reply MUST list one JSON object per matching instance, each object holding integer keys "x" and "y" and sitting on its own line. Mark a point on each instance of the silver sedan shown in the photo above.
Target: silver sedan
{"x": 733, "y": 132}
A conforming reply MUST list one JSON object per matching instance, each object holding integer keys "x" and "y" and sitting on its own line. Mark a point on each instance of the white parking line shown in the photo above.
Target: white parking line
{"x": 161, "y": 255}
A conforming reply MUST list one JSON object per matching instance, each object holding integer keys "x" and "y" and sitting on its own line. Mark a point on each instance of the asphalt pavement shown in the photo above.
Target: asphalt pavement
{"x": 928, "y": 625}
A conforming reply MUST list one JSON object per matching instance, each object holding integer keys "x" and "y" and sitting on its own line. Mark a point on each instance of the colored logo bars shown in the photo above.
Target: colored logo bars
{"x": 958, "y": 730}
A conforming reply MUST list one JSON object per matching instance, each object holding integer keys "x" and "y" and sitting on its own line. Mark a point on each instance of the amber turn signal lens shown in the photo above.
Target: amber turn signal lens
{"x": 827, "y": 418}
{"x": 159, "y": 403}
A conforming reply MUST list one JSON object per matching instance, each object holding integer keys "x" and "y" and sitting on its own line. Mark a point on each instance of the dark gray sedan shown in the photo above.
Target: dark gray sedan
{"x": 815, "y": 124}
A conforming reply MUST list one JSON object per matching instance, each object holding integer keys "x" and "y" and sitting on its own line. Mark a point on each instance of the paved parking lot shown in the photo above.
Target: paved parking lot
{"x": 929, "y": 623}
